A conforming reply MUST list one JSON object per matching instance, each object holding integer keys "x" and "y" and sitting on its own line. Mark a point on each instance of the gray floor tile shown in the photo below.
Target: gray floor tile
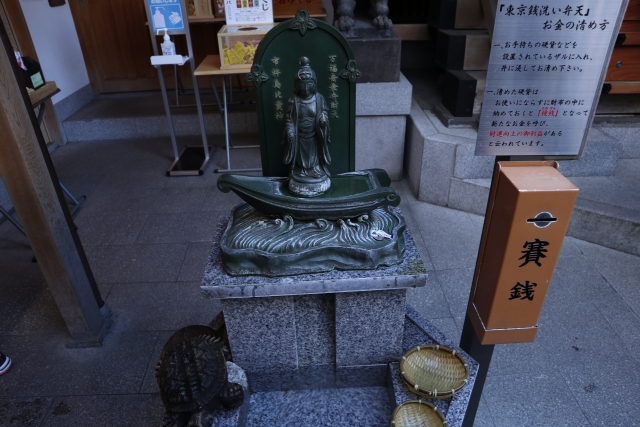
{"x": 448, "y": 326}
{"x": 530, "y": 358}
{"x": 572, "y": 334}
{"x": 606, "y": 391}
{"x": 477, "y": 220}
{"x": 483, "y": 415}
{"x": 110, "y": 229}
{"x": 406, "y": 198}
{"x": 161, "y": 306}
{"x": 429, "y": 299}
{"x": 119, "y": 202}
{"x": 24, "y": 412}
{"x": 208, "y": 179}
{"x": 134, "y": 410}
{"x": 136, "y": 263}
{"x": 456, "y": 285}
{"x": 14, "y": 246}
{"x": 576, "y": 280}
{"x": 624, "y": 321}
{"x": 149, "y": 200}
{"x": 179, "y": 227}
{"x": 240, "y": 158}
{"x": 43, "y": 366}
{"x": 619, "y": 269}
{"x": 134, "y": 180}
{"x": 569, "y": 248}
{"x": 628, "y": 170}
{"x": 505, "y": 408}
{"x": 29, "y": 309}
{"x": 451, "y": 238}
{"x": 533, "y": 400}
{"x": 79, "y": 185}
{"x": 20, "y": 273}
{"x": 216, "y": 200}
{"x": 149, "y": 384}
{"x": 177, "y": 199}
{"x": 194, "y": 262}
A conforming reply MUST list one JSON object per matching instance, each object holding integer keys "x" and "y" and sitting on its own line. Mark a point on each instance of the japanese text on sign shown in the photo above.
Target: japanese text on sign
{"x": 533, "y": 253}
{"x": 242, "y": 12}
{"x": 546, "y": 62}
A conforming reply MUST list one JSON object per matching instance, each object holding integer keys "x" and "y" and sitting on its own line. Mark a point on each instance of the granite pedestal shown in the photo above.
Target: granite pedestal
{"x": 298, "y": 331}
{"x": 301, "y": 338}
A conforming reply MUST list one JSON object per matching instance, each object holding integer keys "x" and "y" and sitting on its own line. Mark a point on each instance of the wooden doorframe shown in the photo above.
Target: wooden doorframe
{"x": 87, "y": 45}
{"x": 81, "y": 13}
{"x": 22, "y": 35}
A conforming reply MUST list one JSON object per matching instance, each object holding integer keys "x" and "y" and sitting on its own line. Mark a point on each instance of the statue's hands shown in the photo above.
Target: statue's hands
{"x": 324, "y": 120}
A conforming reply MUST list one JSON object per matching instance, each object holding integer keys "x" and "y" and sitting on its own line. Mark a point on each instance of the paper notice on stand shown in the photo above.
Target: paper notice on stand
{"x": 248, "y": 12}
{"x": 545, "y": 70}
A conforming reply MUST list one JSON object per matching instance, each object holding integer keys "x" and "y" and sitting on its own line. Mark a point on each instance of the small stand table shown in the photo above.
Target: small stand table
{"x": 210, "y": 66}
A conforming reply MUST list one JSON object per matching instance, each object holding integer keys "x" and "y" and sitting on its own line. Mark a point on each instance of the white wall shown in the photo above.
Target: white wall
{"x": 56, "y": 41}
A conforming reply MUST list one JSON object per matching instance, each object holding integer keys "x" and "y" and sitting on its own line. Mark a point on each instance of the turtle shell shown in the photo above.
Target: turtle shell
{"x": 191, "y": 369}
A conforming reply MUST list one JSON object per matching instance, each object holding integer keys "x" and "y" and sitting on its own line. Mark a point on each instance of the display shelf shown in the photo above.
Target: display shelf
{"x": 205, "y": 19}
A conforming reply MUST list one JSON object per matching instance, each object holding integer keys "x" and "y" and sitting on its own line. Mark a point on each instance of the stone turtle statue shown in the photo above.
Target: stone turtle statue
{"x": 192, "y": 378}
{"x": 344, "y": 9}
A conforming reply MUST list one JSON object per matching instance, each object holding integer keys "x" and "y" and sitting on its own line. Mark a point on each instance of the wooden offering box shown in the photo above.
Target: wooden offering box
{"x": 238, "y": 44}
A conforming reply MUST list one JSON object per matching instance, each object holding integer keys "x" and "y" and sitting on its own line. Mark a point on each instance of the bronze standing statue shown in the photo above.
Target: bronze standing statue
{"x": 306, "y": 135}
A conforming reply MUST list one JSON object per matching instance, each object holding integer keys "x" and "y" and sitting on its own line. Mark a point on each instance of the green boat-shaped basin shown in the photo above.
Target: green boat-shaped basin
{"x": 351, "y": 194}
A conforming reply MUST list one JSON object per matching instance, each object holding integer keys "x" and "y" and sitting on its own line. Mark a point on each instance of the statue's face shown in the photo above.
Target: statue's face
{"x": 306, "y": 88}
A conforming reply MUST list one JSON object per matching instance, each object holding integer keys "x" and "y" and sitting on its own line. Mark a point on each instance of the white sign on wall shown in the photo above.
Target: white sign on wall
{"x": 243, "y": 12}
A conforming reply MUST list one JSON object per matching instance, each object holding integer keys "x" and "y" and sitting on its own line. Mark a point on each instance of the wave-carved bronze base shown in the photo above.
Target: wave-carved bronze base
{"x": 255, "y": 244}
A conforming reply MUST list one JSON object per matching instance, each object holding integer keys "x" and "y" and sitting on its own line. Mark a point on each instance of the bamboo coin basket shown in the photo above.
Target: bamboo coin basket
{"x": 416, "y": 413}
{"x": 434, "y": 371}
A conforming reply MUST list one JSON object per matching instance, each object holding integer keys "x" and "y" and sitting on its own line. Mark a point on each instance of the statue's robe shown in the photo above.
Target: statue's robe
{"x": 304, "y": 156}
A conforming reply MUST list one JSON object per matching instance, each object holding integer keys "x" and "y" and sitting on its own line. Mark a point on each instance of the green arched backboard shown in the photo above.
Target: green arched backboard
{"x": 275, "y": 66}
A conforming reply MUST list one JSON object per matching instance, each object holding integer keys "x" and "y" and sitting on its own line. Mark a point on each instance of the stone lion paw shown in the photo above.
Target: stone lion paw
{"x": 382, "y": 22}
{"x": 344, "y": 23}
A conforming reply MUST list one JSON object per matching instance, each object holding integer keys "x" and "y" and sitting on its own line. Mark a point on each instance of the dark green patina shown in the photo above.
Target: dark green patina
{"x": 254, "y": 243}
{"x": 351, "y": 194}
{"x": 309, "y": 227}
{"x": 276, "y": 63}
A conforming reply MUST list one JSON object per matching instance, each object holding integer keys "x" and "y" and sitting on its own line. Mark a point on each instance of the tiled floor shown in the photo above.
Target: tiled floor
{"x": 147, "y": 238}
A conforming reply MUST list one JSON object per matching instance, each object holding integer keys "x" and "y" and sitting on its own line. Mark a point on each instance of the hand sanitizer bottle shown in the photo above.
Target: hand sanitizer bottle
{"x": 158, "y": 19}
{"x": 168, "y": 47}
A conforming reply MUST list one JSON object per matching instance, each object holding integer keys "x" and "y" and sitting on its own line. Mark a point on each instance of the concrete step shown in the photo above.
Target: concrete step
{"x": 607, "y": 211}
{"x": 143, "y": 116}
{"x": 442, "y": 169}
{"x": 435, "y": 154}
